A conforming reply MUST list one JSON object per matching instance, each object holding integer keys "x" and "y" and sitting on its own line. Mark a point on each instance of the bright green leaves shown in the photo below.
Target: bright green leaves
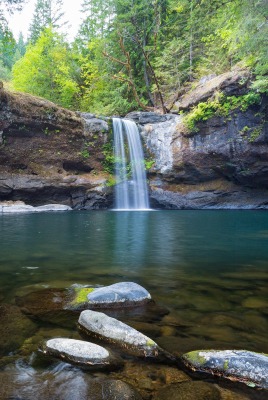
{"x": 45, "y": 70}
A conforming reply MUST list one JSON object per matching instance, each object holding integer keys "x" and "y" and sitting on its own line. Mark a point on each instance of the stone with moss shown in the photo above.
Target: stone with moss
{"x": 110, "y": 330}
{"x": 240, "y": 365}
{"x": 122, "y": 294}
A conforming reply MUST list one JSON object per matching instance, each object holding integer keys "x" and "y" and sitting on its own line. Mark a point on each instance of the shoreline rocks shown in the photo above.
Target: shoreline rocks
{"x": 10, "y": 207}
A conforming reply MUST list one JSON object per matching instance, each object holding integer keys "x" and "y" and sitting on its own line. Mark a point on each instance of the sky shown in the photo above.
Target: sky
{"x": 20, "y": 21}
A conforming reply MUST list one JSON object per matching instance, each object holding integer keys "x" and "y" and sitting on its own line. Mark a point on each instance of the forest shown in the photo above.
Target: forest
{"x": 133, "y": 54}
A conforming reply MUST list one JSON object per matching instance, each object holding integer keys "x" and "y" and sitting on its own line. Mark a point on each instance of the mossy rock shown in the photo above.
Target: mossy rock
{"x": 239, "y": 365}
{"x": 118, "y": 295}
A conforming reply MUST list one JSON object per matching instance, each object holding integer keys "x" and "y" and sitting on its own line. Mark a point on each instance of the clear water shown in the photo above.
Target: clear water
{"x": 208, "y": 268}
{"x": 131, "y": 190}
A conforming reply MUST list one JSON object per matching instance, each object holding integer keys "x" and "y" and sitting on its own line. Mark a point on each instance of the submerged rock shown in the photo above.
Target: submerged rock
{"x": 240, "y": 365}
{"x": 189, "y": 391}
{"x": 60, "y": 383}
{"x": 122, "y": 294}
{"x": 111, "y": 330}
{"x": 47, "y": 305}
{"x": 14, "y": 328}
{"x": 78, "y": 352}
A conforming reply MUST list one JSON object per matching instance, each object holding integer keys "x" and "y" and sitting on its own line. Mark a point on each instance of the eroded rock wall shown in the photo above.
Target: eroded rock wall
{"x": 224, "y": 164}
{"x": 51, "y": 155}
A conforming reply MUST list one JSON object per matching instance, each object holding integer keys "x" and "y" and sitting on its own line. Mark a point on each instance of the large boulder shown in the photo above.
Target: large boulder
{"x": 111, "y": 330}
{"x": 122, "y": 294}
{"x": 240, "y": 365}
{"x": 84, "y": 354}
{"x": 230, "y": 83}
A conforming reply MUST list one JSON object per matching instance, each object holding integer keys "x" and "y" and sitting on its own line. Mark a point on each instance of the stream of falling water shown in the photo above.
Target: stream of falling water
{"x": 131, "y": 191}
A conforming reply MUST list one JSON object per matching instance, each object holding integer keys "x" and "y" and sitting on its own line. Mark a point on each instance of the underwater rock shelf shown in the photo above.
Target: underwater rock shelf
{"x": 237, "y": 365}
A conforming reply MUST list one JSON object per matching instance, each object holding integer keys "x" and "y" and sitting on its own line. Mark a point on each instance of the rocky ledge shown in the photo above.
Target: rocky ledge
{"x": 10, "y": 207}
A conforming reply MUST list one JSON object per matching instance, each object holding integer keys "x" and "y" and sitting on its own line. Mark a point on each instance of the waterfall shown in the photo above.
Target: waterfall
{"x": 131, "y": 191}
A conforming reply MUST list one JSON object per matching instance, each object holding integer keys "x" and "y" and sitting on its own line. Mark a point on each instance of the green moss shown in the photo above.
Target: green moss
{"x": 81, "y": 296}
{"x": 255, "y": 133}
{"x": 194, "y": 358}
{"x": 84, "y": 154}
{"x": 221, "y": 106}
{"x": 150, "y": 343}
{"x": 225, "y": 365}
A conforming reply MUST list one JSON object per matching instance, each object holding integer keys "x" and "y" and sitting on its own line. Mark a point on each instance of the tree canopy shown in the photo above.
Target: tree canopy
{"x": 139, "y": 54}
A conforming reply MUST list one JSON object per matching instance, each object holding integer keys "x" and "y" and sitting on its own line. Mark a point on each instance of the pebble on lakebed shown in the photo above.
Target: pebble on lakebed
{"x": 121, "y": 294}
{"x": 83, "y": 354}
{"x": 111, "y": 330}
{"x": 238, "y": 365}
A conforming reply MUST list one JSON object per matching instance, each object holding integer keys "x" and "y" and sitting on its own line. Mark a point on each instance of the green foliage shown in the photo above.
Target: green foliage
{"x": 148, "y": 163}
{"x": 46, "y": 70}
{"x": 109, "y": 160}
{"x": 84, "y": 153}
{"x": 129, "y": 55}
{"x": 222, "y": 106}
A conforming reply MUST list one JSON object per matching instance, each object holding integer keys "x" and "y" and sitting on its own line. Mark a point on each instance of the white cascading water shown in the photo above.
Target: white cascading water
{"x": 131, "y": 191}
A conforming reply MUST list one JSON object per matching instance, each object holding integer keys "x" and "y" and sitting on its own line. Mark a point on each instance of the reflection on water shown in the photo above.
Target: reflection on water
{"x": 209, "y": 269}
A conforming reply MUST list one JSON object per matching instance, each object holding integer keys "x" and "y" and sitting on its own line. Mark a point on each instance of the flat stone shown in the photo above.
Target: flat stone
{"x": 79, "y": 352}
{"x": 53, "y": 207}
{"x": 240, "y": 365}
{"x": 17, "y": 209}
{"x": 10, "y": 207}
{"x": 122, "y": 294}
{"x": 111, "y": 330}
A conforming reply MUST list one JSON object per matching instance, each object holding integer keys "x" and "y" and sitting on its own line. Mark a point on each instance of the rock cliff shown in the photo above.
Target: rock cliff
{"x": 51, "y": 155}
{"x": 222, "y": 164}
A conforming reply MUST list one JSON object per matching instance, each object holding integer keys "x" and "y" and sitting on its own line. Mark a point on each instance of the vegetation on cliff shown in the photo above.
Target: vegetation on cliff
{"x": 138, "y": 55}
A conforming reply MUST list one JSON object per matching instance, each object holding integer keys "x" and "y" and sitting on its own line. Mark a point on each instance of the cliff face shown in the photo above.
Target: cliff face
{"x": 224, "y": 164}
{"x": 49, "y": 154}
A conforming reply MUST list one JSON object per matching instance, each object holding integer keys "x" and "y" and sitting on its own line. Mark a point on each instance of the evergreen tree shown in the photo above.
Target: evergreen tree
{"x": 47, "y": 13}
